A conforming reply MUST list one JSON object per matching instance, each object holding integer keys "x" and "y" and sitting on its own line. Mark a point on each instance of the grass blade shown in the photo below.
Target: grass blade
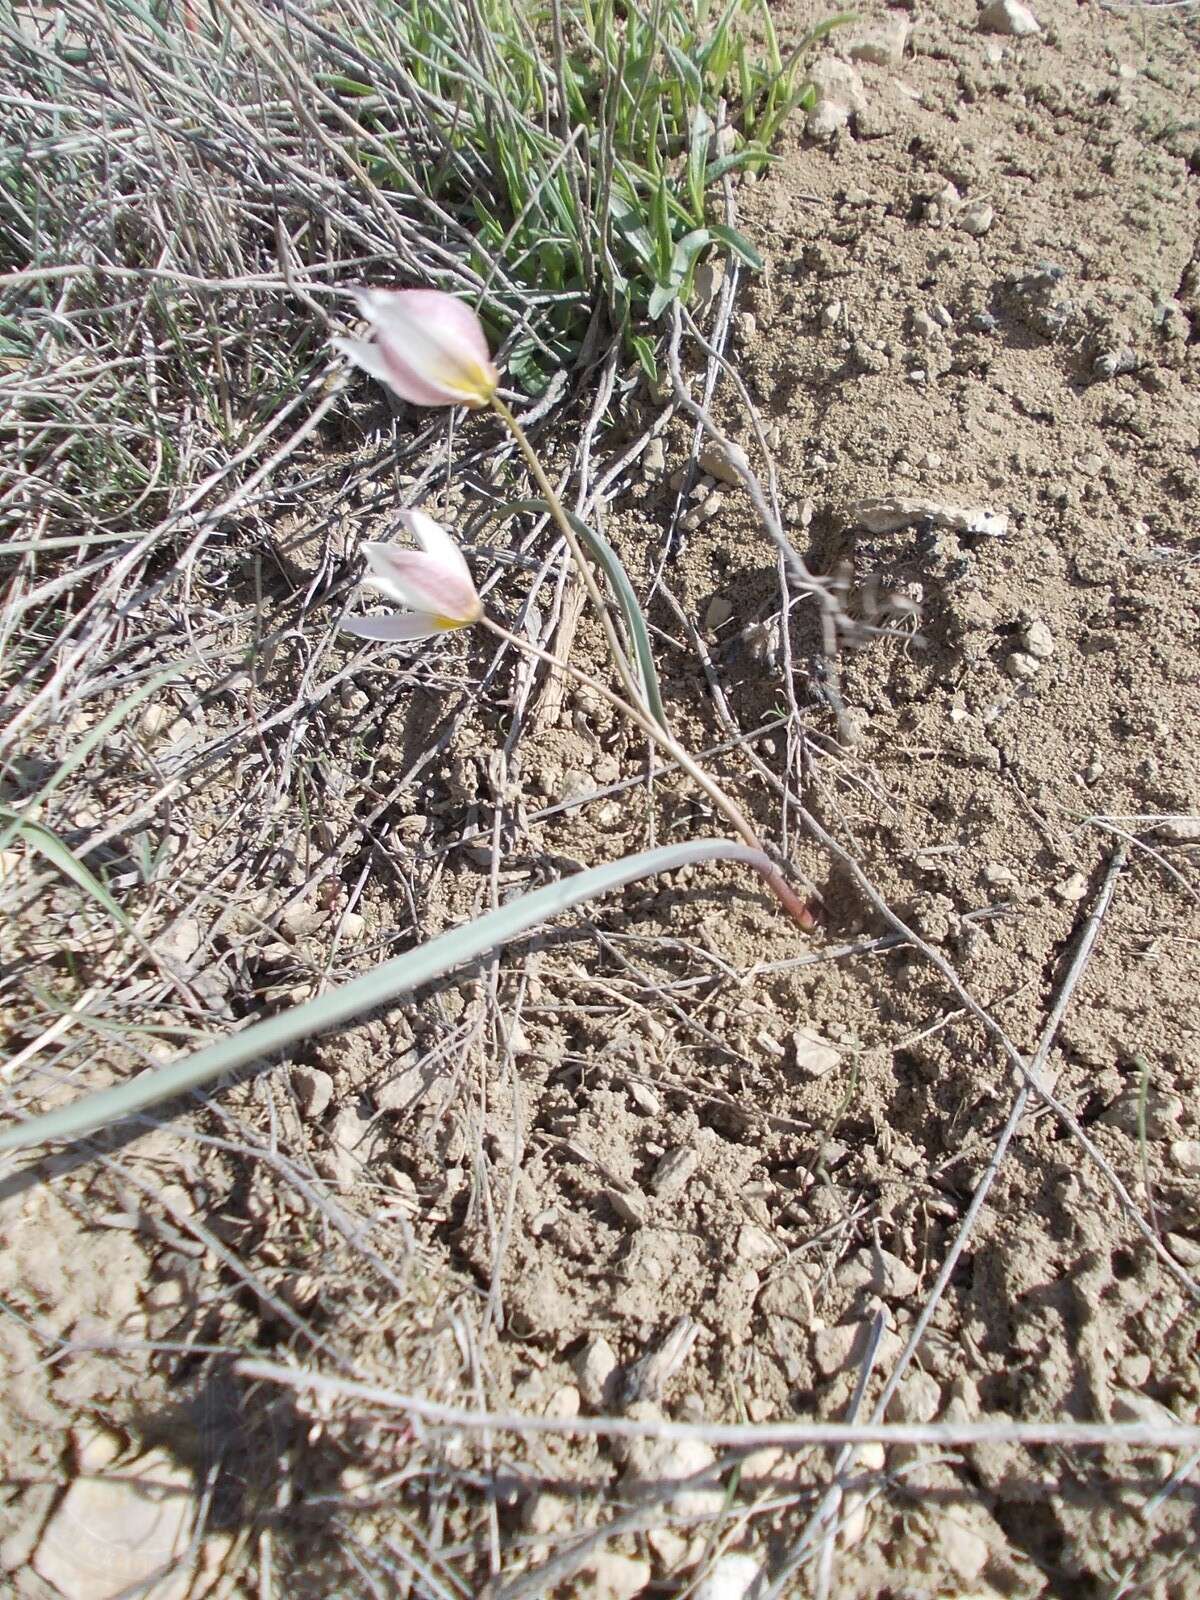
{"x": 61, "y": 856}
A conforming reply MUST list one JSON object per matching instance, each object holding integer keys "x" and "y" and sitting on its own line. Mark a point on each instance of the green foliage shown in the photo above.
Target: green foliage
{"x": 581, "y": 141}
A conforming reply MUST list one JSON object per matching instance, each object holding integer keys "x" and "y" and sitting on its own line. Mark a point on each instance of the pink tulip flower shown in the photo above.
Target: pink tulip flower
{"x": 434, "y": 583}
{"x": 429, "y": 348}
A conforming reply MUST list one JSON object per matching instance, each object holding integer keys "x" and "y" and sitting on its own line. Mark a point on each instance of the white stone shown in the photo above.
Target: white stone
{"x": 181, "y": 943}
{"x": 314, "y": 1090}
{"x": 893, "y": 512}
{"x": 1038, "y": 641}
{"x": 564, "y": 1403}
{"x": 845, "y": 1345}
{"x": 594, "y": 1366}
{"x": 155, "y": 720}
{"x": 617, "y": 1577}
{"x": 113, "y": 1533}
{"x": 976, "y": 218}
{"x": 654, "y": 460}
{"x": 350, "y": 1136}
{"x": 881, "y": 1272}
{"x": 755, "y": 1245}
{"x": 718, "y": 614}
{"x": 672, "y": 1173}
{"x": 1009, "y": 17}
{"x": 1179, "y": 830}
{"x": 722, "y": 462}
{"x": 853, "y": 1523}
{"x": 95, "y": 1449}
{"x": 839, "y": 94}
{"x": 883, "y": 44}
{"x": 730, "y": 1578}
{"x": 1185, "y": 1155}
{"x": 1021, "y": 666}
{"x": 815, "y": 1056}
{"x": 651, "y": 1461}
{"x": 547, "y": 1513}
{"x": 918, "y": 1399}
{"x": 1072, "y": 889}
{"x": 963, "y": 1550}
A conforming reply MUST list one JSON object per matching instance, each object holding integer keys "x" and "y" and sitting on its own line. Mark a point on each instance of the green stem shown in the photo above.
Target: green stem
{"x": 584, "y": 567}
{"x": 728, "y": 807}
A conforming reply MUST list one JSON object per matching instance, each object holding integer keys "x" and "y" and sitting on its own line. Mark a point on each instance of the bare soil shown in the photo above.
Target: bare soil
{"x": 675, "y": 1127}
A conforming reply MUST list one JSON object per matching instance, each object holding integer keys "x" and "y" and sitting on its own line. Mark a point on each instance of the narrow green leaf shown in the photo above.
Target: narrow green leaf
{"x": 386, "y": 983}
{"x": 611, "y": 564}
{"x": 686, "y": 70}
{"x": 739, "y": 245}
{"x": 59, "y": 855}
{"x": 643, "y": 349}
{"x": 663, "y": 242}
{"x": 661, "y": 297}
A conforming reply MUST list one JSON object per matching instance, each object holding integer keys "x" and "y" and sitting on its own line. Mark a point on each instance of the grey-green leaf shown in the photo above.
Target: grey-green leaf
{"x": 386, "y": 983}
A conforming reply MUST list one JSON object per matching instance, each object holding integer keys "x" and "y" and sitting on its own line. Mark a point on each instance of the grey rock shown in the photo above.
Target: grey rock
{"x": 1009, "y": 17}
{"x": 314, "y": 1091}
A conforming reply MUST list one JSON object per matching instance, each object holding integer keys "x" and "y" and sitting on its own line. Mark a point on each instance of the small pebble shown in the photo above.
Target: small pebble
{"x": 594, "y": 1366}
{"x": 923, "y": 325}
{"x": 630, "y": 1208}
{"x": 1072, "y": 889}
{"x": 718, "y": 614}
{"x": 853, "y": 1522}
{"x": 1179, "y": 830}
{"x": 614, "y": 1576}
{"x": 755, "y": 1245}
{"x": 314, "y": 1091}
{"x": 964, "y": 1551}
{"x": 976, "y": 218}
{"x": 1185, "y": 1155}
{"x": 831, "y": 314}
{"x": 1021, "y": 666}
{"x": 654, "y": 460}
{"x": 156, "y": 719}
{"x": 1038, "y": 641}
{"x": 563, "y": 1403}
{"x": 731, "y": 1577}
{"x": 672, "y": 1173}
{"x": 815, "y": 1056}
{"x": 1009, "y": 17}
{"x": 726, "y": 464}
{"x": 882, "y": 44}
{"x": 644, "y": 1099}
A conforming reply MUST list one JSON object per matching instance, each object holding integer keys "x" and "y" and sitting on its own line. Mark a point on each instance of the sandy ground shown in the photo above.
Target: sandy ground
{"x": 680, "y": 1130}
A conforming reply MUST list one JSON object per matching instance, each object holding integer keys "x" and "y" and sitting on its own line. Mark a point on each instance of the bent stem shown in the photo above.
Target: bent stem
{"x": 633, "y": 710}
{"x": 628, "y": 682}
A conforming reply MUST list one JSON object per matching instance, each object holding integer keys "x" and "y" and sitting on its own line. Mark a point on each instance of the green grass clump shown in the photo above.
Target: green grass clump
{"x": 580, "y": 141}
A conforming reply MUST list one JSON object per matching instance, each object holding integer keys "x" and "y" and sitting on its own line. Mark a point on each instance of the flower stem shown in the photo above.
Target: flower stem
{"x": 634, "y": 711}
{"x": 584, "y": 567}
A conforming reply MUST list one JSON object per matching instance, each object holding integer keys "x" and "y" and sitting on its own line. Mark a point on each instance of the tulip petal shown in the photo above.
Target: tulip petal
{"x": 434, "y": 341}
{"x": 436, "y": 541}
{"x": 439, "y": 584}
{"x": 396, "y": 628}
{"x": 385, "y": 368}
